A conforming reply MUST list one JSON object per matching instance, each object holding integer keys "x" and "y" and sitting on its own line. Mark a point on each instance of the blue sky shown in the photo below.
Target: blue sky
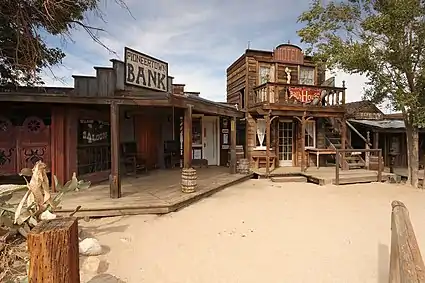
{"x": 199, "y": 39}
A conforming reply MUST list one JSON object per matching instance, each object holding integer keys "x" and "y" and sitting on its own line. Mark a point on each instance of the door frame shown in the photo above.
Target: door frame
{"x": 291, "y": 163}
{"x": 216, "y": 121}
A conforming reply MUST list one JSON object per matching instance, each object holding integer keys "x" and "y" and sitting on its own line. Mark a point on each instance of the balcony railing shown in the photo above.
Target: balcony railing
{"x": 280, "y": 93}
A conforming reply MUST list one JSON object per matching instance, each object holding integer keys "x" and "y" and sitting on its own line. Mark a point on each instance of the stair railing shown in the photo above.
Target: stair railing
{"x": 368, "y": 145}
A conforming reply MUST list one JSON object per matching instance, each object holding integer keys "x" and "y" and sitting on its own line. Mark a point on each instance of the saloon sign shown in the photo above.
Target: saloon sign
{"x": 303, "y": 94}
{"x": 144, "y": 71}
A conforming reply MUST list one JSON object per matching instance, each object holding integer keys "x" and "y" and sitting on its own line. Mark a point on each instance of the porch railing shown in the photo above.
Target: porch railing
{"x": 340, "y": 153}
{"x": 284, "y": 93}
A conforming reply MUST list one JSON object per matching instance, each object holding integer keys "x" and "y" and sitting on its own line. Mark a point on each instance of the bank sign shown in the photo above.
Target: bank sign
{"x": 145, "y": 71}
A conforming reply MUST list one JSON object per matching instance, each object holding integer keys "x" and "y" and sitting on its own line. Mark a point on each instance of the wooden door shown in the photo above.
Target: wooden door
{"x": 148, "y": 139}
{"x": 8, "y": 155}
{"x": 33, "y": 143}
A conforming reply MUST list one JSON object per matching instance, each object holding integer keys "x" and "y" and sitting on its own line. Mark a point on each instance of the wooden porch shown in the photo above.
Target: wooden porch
{"x": 158, "y": 192}
{"x": 326, "y": 175}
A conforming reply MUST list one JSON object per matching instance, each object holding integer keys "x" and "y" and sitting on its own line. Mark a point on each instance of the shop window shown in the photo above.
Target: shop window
{"x": 197, "y": 131}
{"x": 94, "y": 146}
{"x": 310, "y": 134}
{"x": 306, "y": 76}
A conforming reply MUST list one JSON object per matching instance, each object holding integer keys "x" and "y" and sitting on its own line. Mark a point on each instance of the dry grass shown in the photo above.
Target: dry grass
{"x": 13, "y": 259}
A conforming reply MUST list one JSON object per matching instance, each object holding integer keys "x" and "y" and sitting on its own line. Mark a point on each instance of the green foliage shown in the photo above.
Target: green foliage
{"x": 23, "y": 50}
{"x": 22, "y": 217}
{"x": 381, "y": 39}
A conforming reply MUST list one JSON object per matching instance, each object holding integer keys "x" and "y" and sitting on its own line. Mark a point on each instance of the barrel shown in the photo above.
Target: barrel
{"x": 189, "y": 178}
{"x": 243, "y": 166}
{"x": 239, "y": 153}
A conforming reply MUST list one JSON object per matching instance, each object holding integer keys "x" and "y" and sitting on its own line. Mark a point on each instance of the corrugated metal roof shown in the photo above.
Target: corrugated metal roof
{"x": 383, "y": 124}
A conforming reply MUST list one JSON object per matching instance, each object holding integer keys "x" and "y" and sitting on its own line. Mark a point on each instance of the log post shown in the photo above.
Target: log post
{"x": 187, "y": 138}
{"x": 406, "y": 263}
{"x": 54, "y": 253}
{"x": 114, "y": 177}
{"x": 367, "y": 153}
{"x": 268, "y": 145}
{"x": 188, "y": 175}
{"x": 233, "y": 145}
{"x": 343, "y": 142}
{"x": 303, "y": 122}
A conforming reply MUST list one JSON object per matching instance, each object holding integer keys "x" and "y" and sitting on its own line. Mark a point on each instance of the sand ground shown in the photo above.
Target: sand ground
{"x": 260, "y": 231}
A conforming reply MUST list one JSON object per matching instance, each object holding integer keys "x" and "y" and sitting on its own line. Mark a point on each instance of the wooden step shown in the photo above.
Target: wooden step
{"x": 289, "y": 179}
{"x": 356, "y": 165}
{"x": 356, "y": 179}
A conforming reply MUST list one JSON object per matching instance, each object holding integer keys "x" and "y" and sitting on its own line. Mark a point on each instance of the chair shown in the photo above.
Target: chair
{"x": 131, "y": 161}
{"x": 172, "y": 153}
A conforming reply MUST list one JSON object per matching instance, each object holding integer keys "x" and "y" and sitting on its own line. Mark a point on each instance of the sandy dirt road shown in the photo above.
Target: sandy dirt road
{"x": 260, "y": 231}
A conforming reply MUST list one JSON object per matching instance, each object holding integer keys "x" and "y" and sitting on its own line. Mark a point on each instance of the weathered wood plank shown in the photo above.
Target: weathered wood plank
{"x": 54, "y": 254}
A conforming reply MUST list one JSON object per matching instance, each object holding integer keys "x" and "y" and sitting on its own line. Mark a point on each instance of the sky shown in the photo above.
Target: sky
{"x": 198, "y": 39}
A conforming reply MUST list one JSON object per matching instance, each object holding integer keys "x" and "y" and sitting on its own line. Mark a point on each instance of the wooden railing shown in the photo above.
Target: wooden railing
{"x": 313, "y": 95}
{"x": 406, "y": 263}
{"x": 340, "y": 153}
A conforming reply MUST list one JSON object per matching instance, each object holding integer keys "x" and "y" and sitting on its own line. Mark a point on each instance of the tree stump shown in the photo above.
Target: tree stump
{"x": 189, "y": 180}
{"x": 53, "y": 249}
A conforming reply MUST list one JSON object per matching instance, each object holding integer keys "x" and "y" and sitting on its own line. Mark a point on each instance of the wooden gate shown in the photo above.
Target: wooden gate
{"x": 22, "y": 146}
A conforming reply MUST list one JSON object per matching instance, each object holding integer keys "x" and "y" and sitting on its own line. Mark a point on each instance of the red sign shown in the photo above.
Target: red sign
{"x": 303, "y": 94}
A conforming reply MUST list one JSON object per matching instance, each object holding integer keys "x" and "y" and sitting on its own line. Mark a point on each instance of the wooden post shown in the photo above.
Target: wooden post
{"x": 343, "y": 141}
{"x": 268, "y": 145}
{"x": 375, "y": 140}
{"x": 337, "y": 167}
{"x": 233, "y": 145}
{"x": 406, "y": 263}
{"x": 54, "y": 253}
{"x": 114, "y": 178}
{"x": 303, "y": 121}
{"x": 187, "y": 139}
{"x": 379, "y": 166}
{"x": 367, "y": 154}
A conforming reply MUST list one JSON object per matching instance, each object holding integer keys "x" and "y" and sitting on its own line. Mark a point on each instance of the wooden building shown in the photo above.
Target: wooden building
{"x": 384, "y": 131}
{"x": 293, "y": 116}
{"x": 129, "y": 117}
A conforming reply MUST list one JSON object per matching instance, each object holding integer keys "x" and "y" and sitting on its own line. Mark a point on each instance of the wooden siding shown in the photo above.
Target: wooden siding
{"x": 251, "y": 135}
{"x": 236, "y": 78}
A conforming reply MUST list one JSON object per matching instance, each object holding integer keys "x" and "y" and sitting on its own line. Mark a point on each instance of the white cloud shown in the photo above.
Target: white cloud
{"x": 199, "y": 39}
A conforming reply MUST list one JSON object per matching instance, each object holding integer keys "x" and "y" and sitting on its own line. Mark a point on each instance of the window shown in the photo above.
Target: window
{"x": 196, "y": 131}
{"x": 310, "y": 134}
{"x": 264, "y": 74}
{"x": 306, "y": 76}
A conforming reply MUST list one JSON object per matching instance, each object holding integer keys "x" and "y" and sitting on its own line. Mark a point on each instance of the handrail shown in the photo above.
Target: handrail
{"x": 406, "y": 263}
{"x": 339, "y": 151}
{"x": 358, "y": 133}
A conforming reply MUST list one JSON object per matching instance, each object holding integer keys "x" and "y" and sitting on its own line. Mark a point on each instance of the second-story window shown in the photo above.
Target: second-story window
{"x": 264, "y": 74}
{"x": 306, "y": 76}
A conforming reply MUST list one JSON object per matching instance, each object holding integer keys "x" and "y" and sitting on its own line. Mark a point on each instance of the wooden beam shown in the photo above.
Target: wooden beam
{"x": 187, "y": 138}
{"x": 233, "y": 145}
{"x": 54, "y": 253}
{"x": 303, "y": 120}
{"x": 344, "y": 141}
{"x": 114, "y": 178}
{"x": 268, "y": 145}
{"x": 375, "y": 140}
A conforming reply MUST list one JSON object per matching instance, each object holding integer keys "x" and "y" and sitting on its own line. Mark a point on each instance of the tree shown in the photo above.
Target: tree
{"x": 23, "y": 51}
{"x": 383, "y": 40}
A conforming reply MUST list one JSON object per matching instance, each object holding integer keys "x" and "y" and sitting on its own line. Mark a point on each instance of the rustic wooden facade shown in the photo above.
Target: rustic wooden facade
{"x": 284, "y": 94}
{"x": 384, "y": 131}
{"x": 84, "y": 129}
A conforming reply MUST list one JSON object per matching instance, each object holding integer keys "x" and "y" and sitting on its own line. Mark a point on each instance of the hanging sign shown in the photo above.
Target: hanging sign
{"x": 304, "y": 94}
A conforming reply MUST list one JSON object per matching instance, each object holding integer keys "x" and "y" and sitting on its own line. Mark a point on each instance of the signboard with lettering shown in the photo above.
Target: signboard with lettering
{"x": 368, "y": 116}
{"x": 93, "y": 132}
{"x": 287, "y": 53}
{"x": 145, "y": 71}
{"x": 304, "y": 94}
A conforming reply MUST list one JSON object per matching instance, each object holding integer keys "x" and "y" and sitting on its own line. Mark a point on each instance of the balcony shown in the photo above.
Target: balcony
{"x": 306, "y": 95}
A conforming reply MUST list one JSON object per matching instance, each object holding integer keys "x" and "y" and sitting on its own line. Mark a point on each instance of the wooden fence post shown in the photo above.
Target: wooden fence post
{"x": 406, "y": 263}
{"x": 54, "y": 253}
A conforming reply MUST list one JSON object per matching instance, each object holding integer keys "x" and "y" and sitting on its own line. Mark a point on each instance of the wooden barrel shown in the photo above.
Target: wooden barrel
{"x": 189, "y": 178}
{"x": 239, "y": 152}
{"x": 243, "y": 166}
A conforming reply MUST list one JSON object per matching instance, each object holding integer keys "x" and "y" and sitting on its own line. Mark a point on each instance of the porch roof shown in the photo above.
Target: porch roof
{"x": 384, "y": 125}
